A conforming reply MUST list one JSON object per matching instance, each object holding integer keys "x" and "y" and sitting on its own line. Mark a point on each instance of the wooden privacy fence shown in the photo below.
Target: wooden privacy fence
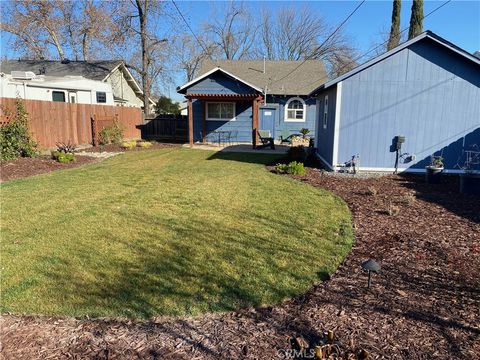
{"x": 166, "y": 127}
{"x": 52, "y": 122}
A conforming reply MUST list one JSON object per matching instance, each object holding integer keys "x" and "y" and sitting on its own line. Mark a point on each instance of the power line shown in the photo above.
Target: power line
{"x": 188, "y": 26}
{"x": 323, "y": 43}
{"x": 382, "y": 44}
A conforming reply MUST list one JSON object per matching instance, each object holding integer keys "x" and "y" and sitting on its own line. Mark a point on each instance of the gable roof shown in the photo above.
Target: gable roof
{"x": 93, "y": 70}
{"x": 427, "y": 34}
{"x": 280, "y": 77}
{"x": 182, "y": 89}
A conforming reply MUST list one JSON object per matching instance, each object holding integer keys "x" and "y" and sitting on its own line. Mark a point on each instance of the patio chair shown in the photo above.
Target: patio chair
{"x": 265, "y": 139}
{"x": 286, "y": 137}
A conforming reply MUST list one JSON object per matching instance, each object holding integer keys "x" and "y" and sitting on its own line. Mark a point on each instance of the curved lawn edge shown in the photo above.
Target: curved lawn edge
{"x": 119, "y": 249}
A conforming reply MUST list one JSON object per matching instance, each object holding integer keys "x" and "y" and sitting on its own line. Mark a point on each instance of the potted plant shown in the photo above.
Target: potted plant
{"x": 434, "y": 170}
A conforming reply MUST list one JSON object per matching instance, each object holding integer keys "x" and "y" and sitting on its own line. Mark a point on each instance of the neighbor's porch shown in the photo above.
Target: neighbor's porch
{"x": 223, "y": 119}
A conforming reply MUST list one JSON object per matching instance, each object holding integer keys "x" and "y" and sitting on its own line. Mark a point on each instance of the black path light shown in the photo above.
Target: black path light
{"x": 370, "y": 265}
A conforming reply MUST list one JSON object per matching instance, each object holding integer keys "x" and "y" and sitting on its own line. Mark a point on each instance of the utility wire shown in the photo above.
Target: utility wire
{"x": 188, "y": 26}
{"x": 382, "y": 44}
{"x": 323, "y": 43}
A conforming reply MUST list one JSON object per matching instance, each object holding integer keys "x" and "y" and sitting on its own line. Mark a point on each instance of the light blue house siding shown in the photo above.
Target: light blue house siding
{"x": 293, "y": 127}
{"x": 425, "y": 92}
{"x": 219, "y": 83}
{"x": 241, "y": 127}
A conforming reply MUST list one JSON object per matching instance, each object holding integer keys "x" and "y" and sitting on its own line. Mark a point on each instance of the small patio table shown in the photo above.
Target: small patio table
{"x": 226, "y": 135}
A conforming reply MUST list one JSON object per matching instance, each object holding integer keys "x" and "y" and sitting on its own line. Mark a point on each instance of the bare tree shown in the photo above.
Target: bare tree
{"x": 233, "y": 30}
{"x": 188, "y": 54}
{"x": 298, "y": 34}
{"x": 35, "y": 23}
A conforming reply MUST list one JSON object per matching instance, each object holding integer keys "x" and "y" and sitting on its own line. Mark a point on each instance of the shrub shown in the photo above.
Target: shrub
{"x": 304, "y": 132}
{"x": 112, "y": 134}
{"x": 144, "y": 144}
{"x": 392, "y": 210}
{"x": 128, "y": 145}
{"x": 62, "y": 157}
{"x": 408, "y": 199}
{"x": 15, "y": 138}
{"x": 66, "y": 148}
{"x": 294, "y": 168}
{"x": 297, "y": 153}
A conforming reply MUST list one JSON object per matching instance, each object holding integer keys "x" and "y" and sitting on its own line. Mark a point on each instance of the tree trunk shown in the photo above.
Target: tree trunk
{"x": 85, "y": 45}
{"x": 142, "y": 15}
{"x": 416, "y": 19}
{"x": 394, "y": 39}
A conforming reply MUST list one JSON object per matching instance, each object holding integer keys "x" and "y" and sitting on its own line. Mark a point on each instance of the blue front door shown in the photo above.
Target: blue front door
{"x": 267, "y": 120}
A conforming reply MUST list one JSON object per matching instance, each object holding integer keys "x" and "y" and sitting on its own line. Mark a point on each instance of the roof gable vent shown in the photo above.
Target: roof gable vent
{"x": 23, "y": 75}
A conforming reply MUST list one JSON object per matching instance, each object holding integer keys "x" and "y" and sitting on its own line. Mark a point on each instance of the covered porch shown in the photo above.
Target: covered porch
{"x": 233, "y": 118}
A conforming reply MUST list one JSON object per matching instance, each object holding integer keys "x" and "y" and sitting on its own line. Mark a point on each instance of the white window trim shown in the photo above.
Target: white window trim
{"x": 325, "y": 112}
{"x": 286, "y": 119}
{"x": 219, "y": 119}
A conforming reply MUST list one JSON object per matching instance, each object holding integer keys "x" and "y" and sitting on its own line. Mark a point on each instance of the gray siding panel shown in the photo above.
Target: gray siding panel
{"x": 424, "y": 92}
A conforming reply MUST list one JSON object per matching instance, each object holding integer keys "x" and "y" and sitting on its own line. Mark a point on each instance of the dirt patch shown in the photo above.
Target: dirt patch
{"x": 24, "y": 167}
{"x": 424, "y": 304}
{"x": 118, "y": 148}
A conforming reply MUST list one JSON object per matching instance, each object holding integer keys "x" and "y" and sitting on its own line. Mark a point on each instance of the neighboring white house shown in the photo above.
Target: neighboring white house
{"x": 70, "y": 89}
{"x": 183, "y": 106}
{"x": 112, "y": 73}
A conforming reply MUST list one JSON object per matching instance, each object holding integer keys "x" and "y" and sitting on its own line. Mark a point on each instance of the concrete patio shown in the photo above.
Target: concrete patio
{"x": 240, "y": 148}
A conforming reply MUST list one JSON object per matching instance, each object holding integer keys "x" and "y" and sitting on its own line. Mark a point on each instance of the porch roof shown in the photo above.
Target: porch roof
{"x": 224, "y": 96}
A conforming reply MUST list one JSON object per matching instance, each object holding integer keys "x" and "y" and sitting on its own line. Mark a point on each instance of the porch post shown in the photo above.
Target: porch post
{"x": 190, "y": 122}
{"x": 204, "y": 121}
{"x": 254, "y": 123}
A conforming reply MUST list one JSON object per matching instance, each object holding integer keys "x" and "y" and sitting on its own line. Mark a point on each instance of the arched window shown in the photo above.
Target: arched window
{"x": 295, "y": 110}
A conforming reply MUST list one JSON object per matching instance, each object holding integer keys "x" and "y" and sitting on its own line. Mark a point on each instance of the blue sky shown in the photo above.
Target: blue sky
{"x": 458, "y": 21}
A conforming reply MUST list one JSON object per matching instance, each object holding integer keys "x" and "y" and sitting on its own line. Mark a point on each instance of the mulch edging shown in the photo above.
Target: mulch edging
{"x": 25, "y": 167}
{"x": 118, "y": 148}
{"x": 425, "y": 303}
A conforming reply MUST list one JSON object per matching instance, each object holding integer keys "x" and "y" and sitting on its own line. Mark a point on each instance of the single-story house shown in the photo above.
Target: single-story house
{"x": 123, "y": 87}
{"x": 70, "y": 89}
{"x": 244, "y": 97}
{"x": 425, "y": 91}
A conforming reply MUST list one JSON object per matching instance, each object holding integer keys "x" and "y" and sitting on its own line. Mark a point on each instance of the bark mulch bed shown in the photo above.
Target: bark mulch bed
{"x": 425, "y": 303}
{"x": 24, "y": 167}
{"x": 118, "y": 148}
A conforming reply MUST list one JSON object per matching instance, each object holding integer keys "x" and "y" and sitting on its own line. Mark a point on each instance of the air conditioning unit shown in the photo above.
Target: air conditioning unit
{"x": 23, "y": 75}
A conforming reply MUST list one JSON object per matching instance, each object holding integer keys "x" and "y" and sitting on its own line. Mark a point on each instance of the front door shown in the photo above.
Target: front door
{"x": 267, "y": 120}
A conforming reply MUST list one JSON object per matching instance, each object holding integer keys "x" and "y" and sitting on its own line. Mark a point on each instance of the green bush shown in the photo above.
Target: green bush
{"x": 297, "y": 153}
{"x": 294, "y": 168}
{"x": 112, "y": 134}
{"x": 62, "y": 157}
{"x": 15, "y": 138}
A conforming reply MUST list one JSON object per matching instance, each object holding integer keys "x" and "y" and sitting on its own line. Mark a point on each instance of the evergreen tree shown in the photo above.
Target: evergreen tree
{"x": 416, "y": 19}
{"x": 394, "y": 38}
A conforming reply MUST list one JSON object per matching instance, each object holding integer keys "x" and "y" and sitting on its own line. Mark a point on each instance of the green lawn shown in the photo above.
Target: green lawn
{"x": 165, "y": 232}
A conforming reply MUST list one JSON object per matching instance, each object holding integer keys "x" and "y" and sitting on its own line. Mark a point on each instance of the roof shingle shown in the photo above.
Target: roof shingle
{"x": 280, "y": 77}
{"x": 94, "y": 70}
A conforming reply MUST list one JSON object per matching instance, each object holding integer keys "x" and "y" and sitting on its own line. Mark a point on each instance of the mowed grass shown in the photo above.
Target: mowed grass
{"x": 165, "y": 232}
